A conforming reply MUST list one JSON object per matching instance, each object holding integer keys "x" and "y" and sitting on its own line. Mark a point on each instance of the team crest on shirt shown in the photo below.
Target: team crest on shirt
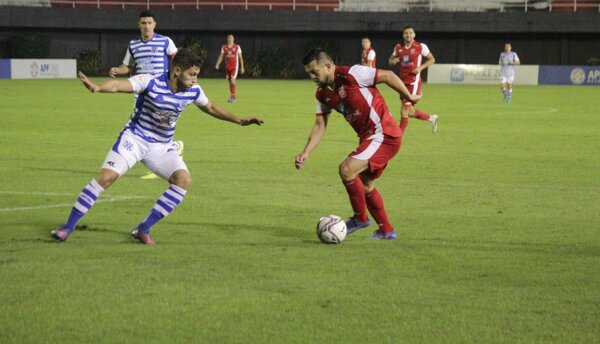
{"x": 182, "y": 105}
{"x": 154, "y": 49}
{"x": 412, "y": 51}
{"x": 342, "y": 92}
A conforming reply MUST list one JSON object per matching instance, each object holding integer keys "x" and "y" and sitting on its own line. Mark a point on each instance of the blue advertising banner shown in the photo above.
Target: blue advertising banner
{"x": 4, "y": 69}
{"x": 570, "y": 75}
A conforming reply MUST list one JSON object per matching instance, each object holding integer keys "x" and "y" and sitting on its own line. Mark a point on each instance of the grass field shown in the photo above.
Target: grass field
{"x": 498, "y": 217}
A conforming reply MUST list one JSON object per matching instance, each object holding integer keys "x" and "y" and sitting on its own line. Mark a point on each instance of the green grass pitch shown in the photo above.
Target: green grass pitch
{"x": 498, "y": 217}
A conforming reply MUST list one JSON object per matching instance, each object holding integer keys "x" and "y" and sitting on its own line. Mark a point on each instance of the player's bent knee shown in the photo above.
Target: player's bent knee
{"x": 346, "y": 173}
{"x": 106, "y": 178}
{"x": 181, "y": 178}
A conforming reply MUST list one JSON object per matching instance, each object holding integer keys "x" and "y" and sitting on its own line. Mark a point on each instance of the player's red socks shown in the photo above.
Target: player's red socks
{"x": 403, "y": 124}
{"x": 356, "y": 193}
{"x": 232, "y": 90}
{"x": 421, "y": 115}
{"x": 376, "y": 208}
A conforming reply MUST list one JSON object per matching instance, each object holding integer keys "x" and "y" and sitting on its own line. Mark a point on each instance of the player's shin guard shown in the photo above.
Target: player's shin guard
{"x": 377, "y": 210}
{"x": 165, "y": 204}
{"x": 421, "y": 115}
{"x": 403, "y": 124}
{"x": 356, "y": 193}
{"x": 85, "y": 201}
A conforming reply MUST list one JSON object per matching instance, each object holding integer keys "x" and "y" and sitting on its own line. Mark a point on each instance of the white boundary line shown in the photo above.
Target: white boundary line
{"x": 106, "y": 199}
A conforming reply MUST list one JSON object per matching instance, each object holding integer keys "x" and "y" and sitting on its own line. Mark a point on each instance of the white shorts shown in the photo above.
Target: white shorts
{"x": 160, "y": 158}
{"x": 507, "y": 79}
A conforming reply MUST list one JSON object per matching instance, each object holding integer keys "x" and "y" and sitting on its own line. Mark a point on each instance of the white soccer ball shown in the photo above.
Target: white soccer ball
{"x": 331, "y": 229}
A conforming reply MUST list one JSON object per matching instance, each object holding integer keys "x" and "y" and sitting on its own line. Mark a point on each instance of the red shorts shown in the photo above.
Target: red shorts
{"x": 414, "y": 89}
{"x": 378, "y": 152}
{"x": 231, "y": 73}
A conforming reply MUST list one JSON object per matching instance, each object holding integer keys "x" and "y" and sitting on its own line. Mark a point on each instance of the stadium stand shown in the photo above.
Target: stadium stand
{"x": 469, "y": 5}
{"x": 269, "y": 5}
{"x": 33, "y": 3}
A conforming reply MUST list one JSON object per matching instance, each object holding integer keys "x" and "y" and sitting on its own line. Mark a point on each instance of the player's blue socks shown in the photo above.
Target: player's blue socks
{"x": 85, "y": 201}
{"x": 163, "y": 207}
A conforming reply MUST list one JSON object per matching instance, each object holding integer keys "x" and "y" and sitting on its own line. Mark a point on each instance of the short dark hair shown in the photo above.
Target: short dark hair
{"x": 186, "y": 58}
{"x": 147, "y": 14}
{"x": 317, "y": 54}
{"x": 408, "y": 27}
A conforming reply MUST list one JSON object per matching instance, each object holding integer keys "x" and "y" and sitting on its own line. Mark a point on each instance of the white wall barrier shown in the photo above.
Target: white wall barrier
{"x": 37, "y": 68}
{"x": 479, "y": 74}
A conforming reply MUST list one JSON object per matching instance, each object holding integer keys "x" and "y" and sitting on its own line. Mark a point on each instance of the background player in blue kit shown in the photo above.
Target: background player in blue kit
{"x": 149, "y": 54}
{"x": 148, "y": 137}
{"x": 508, "y": 60}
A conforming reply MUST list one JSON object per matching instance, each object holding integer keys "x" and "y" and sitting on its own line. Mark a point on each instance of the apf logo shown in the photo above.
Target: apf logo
{"x": 578, "y": 76}
{"x": 34, "y": 70}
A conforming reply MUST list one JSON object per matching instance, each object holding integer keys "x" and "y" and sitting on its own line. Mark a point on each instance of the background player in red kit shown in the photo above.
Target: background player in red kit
{"x": 351, "y": 91}
{"x": 368, "y": 55}
{"x": 410, "y": 55}
{"x": 233, "y": 59}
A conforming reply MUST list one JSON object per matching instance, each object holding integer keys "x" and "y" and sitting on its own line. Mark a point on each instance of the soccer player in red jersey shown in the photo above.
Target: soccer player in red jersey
{"x": 368, "y": 55}
{"x": 351, "y": 91}
{"x": 413, "y": 57}
{"x": 233, "y": 59}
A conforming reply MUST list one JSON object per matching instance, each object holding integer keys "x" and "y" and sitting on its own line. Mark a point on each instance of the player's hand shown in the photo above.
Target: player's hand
{"x": 113, "y": 72}
{"x": 300, "y": 159}
{"x": 87, "y": 82}
{"x": 414, "y": 98}
{"x": 217, "y": 67}
{"x": 415, "y": 71}
{"x": 251, "y": 120}
{"x": 394, "y": 61}
{"x": 242, "y": 71}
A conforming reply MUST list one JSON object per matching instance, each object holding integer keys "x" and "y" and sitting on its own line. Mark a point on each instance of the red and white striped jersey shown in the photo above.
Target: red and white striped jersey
{"x": 231, "y": 54}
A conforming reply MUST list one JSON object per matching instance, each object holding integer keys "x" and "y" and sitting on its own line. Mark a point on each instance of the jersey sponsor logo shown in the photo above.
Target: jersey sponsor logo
{"x": 167, "y": 117}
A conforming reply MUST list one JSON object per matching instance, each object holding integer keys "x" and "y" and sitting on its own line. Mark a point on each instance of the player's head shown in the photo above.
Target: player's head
{"x": 186, "y": 67}
{"x": 147, "y": 24}
{"x": 230, "y": 39}
{"x": 507, "y": 47}
{"x": 366, "y": 43}
{"x": 319, "y": 66}
{"x": 408, "y": 34}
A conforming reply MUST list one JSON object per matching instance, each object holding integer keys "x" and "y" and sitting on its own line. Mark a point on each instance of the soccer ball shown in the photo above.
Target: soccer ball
{"x": 331, "y": 229}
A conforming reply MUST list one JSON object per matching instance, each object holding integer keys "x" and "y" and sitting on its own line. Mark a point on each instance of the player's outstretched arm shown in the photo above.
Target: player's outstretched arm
{"x": 220, "y": 113}
{"x": 109, "y": 86}
{"x": 316, "y": 134}
{"x": 393, "y": 81}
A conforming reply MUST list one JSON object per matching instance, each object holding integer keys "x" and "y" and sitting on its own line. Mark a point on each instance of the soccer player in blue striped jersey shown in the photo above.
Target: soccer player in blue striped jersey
{"x": 508, "y": 60}
{"x": 148, "y": 54}
{"x": 148, "y": 137}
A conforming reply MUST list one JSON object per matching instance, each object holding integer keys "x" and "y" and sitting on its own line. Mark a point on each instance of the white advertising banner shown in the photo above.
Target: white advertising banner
{"x": 43, "y": 68}
{"x": 478, "y": 74}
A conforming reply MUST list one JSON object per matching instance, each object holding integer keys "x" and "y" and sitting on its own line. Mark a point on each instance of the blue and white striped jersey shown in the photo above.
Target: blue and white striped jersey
{"x": 157, "y": 108}
{"x": 507, "y": 69}
{"x": 151, "y": 57}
